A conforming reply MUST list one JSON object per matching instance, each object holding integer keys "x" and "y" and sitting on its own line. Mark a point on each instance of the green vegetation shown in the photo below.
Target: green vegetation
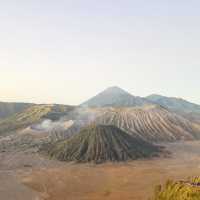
{"x": 32, "y": 115}
{"x": 99, "y": 144}
{"x": 181, "y": 190}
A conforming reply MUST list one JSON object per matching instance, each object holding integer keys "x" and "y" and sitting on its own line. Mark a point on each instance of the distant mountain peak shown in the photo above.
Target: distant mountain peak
{"x": 155, "y": 97}
{"x": 115, "y": 89}
{"x": 115, "y": 96}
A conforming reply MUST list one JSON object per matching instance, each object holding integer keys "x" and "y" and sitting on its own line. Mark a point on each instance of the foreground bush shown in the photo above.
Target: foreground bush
{"x": 181, "y": 190}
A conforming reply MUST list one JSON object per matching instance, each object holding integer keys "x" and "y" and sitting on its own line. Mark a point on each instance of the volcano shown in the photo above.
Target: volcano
{"x": 115, "y": 96}
{"x": 151, "y": 123}
{"x": 100, "y": 143}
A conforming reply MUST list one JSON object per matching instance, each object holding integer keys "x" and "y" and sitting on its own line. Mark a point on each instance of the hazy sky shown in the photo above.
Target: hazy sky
{"x": 66, "y": 51}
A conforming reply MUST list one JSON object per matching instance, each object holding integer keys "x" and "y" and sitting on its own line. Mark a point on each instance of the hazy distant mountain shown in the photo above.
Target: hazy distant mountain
{"x": 100, "y": 144}
{"x": 175, "y": 104}
{"x": 7, "y": 109}
{"x": 115, "y": 96}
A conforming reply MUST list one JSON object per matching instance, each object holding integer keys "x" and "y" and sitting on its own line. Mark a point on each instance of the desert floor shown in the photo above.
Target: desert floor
{"x": 24, "y": 176}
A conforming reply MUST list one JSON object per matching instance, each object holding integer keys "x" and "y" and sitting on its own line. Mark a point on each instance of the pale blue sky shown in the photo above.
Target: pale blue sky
{"x": 67, "y": 51}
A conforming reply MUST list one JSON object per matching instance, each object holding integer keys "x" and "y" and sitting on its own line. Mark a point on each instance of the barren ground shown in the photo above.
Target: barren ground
{"x": 29, "y": 177}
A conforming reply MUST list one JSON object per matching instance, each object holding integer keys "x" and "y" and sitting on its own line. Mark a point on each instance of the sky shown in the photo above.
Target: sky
{"x": 66, "y": 51}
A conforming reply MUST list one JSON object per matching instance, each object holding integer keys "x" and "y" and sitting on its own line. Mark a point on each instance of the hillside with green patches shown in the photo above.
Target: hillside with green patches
{"x": 100, "y": 143}
{"x": 32, "y": 115}
{"x": 7, "y": 108}
{"x": 181, "y": 190}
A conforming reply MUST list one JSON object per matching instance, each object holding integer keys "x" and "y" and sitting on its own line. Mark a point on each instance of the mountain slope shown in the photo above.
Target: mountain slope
{"x": 8, "y": 109}
{"x": 193, "y": 116}
{"x": 115, "y": 96}
{"x": 32, "y": 115}
{"x": 175, "y": 104}
{"x": 151, "y": 123}
{"x": 99, "y": 144}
